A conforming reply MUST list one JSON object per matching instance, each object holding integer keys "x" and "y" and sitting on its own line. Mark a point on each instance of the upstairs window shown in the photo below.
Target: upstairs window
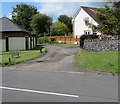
{"x": 86, "y": 19}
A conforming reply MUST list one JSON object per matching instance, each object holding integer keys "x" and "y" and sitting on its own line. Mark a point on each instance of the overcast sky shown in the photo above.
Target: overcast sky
{"x": 52, "y": 9}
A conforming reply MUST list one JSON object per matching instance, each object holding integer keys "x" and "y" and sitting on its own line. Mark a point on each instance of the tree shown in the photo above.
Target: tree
{"x": 59, "y": 28}
{"x": 22, "y": 14}
{"x": 116, "y": 5}
{"x": 66, "y": 20}
{"x": 109, "y": 18}
{"x": 91, "y": 25}
{"x": 40, "y": 24}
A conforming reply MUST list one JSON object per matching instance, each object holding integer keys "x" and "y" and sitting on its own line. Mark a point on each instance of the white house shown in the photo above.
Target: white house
{"x": 13, "y": 37}
{"x": 79, "y": 25}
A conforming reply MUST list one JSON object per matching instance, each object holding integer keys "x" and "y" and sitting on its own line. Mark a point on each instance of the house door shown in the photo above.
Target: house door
{"x": 33, "y": 42}
{"x": 27, "y": 42}
{"x": 7, "y": 43}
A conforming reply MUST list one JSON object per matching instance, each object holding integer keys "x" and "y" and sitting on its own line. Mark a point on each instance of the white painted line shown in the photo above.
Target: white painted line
{"x": 76, "y": 72}
{"x": 40, "y": 92}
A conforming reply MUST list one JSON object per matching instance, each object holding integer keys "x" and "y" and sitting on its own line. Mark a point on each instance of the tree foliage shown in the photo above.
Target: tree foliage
{"x": 67, "y": 21}
{"x": 59, "y": 28}
{"x": 109, "y": 18}
{"x": 40, "y": 24}
{"x": 22, "y": 14}
{"x": 116, "y": 5}
{"x": 91, "y": 25}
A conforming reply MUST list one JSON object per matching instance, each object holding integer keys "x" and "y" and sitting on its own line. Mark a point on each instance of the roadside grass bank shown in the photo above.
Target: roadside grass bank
{"x": 8, "y": 59}
{"x": 98, "y": 61}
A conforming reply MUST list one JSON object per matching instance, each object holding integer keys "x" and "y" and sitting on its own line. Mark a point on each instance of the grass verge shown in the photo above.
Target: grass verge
{"x": 23, "y": 56}
{"x": 98, "y": 61}
{"x": 63, "y": 45}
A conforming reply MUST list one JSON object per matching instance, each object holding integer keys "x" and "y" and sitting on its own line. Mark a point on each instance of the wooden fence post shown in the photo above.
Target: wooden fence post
{"x": 64, "y": 39}
{"x": 76, "y": 38}
{"x": 70, "y": 39}
{"x": 60, "y": 38}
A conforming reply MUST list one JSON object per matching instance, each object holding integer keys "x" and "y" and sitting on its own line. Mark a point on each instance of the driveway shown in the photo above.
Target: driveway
{"x": 57, "y": 59}
{"x": 54, "y": 78}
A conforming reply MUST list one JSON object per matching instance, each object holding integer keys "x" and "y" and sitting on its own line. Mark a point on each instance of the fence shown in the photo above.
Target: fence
{"x": 67, "y": 39}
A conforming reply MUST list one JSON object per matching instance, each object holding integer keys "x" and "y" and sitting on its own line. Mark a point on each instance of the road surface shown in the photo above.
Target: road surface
{"x": 54, "y": 78}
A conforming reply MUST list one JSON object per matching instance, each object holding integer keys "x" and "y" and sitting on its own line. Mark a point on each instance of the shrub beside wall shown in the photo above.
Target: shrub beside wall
{"x": 83, "y": 37}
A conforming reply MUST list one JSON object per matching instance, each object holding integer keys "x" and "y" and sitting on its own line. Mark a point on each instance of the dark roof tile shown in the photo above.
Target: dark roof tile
{"x": 91, "y": 11}
{"x": 6, "y": 25}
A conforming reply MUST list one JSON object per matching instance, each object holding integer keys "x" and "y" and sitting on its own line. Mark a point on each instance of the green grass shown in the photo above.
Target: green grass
{"x": 24, "y": 56}
{"x": 98, "y": 61}
{"x": 67, "y": 45}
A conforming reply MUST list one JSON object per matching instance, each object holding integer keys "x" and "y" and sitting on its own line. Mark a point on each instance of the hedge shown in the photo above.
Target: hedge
{"x": 42, "y": 40}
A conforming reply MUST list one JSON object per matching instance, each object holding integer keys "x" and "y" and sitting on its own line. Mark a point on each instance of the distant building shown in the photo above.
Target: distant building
{"x": 84, "y": 14}
{"x": 13, "y": 37}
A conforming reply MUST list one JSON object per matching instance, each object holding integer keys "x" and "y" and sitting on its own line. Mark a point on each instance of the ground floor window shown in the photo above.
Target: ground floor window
{"x": 86, "y": 32}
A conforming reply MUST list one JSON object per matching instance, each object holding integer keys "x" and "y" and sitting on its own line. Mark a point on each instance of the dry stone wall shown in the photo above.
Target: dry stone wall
{"x": 106, "y": 44}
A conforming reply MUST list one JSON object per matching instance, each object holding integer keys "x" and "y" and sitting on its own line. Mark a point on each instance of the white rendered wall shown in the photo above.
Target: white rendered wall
{"x": 79, "y": 24}
{"x": 2, "y": 45}
{"x": 29, "y": 43}
{"x": 17, "y": 43}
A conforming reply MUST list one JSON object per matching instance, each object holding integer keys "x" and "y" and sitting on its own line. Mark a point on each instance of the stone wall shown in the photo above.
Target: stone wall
{"x": 106, "y": 44}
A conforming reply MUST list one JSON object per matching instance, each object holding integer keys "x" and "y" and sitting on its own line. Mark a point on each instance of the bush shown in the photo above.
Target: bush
{"x": 52, "y": 39}
{"x": 42, "y": 40}
{"x": 63, "y": 43}
{"x": 83, "y": 37}
{"x": 44, "y": 50}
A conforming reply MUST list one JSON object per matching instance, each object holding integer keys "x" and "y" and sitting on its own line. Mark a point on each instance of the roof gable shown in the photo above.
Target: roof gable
{"x": 90, "y": 11}
{"x": 6, "y": 25}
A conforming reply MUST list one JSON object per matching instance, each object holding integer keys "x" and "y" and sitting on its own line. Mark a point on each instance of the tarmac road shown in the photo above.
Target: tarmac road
{"x": 54, "y": 78}
{"x": 57, "y": 59}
